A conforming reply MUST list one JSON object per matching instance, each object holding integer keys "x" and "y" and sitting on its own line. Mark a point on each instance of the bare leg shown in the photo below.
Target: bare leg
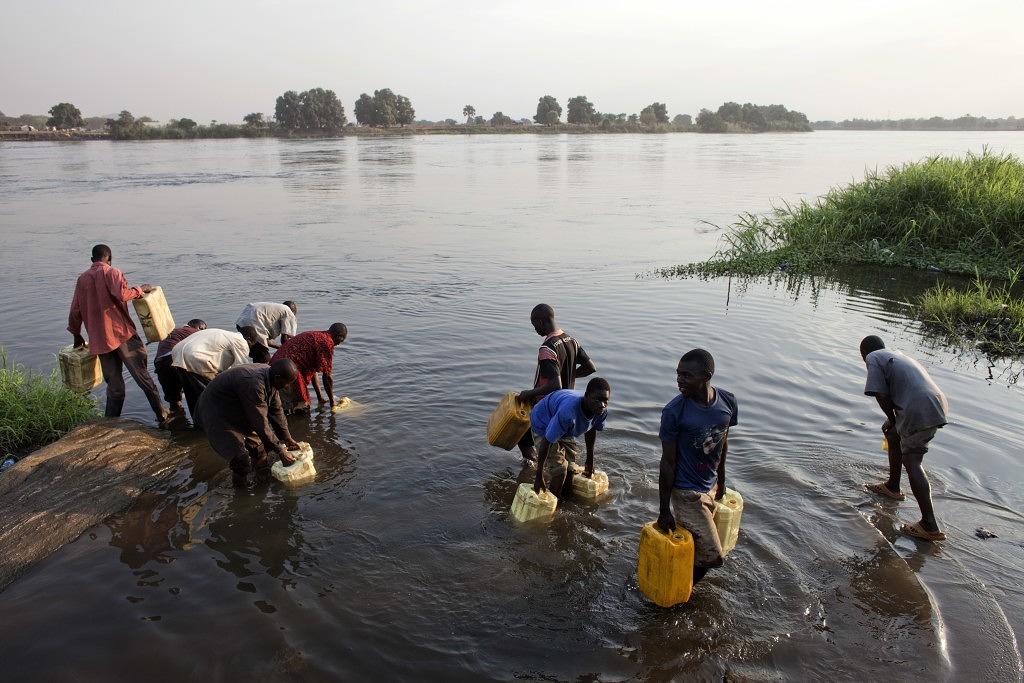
{"x": 895, "y": 461}
{"x": 921, "y": 488}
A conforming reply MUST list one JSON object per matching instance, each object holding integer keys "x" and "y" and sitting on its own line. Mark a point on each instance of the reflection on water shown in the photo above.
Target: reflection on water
{"x": 400, "y": 560}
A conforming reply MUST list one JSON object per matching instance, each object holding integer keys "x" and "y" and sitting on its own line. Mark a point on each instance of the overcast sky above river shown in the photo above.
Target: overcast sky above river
{"x": 223, "y": 59}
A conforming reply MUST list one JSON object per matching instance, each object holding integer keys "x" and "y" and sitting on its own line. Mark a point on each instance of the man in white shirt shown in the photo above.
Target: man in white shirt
{"x": 271, "y": 321}
{"x": 204, "y": 354}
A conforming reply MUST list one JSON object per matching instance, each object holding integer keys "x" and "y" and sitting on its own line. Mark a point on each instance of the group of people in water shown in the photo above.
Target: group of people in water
{"x": 694, "y": 431}
{"x": 242, "y": 406}
{"x": 236, "y": 390}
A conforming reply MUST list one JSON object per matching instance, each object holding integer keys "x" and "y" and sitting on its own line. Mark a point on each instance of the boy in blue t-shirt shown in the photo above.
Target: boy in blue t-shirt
{"x": 694, "y": 441}
{"x": 556, "y": 421}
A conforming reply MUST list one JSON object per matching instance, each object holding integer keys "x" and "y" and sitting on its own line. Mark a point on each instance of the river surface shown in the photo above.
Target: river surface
{"x": 400, "y": 562}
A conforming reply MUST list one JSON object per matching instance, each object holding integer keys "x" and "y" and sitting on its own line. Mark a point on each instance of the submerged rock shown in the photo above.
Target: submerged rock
{"x": 49, "y": 497}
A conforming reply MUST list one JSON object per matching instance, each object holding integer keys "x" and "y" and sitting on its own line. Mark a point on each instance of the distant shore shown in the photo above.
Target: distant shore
{"x": 364, "y": 131}
{"x": 15, "y": 135}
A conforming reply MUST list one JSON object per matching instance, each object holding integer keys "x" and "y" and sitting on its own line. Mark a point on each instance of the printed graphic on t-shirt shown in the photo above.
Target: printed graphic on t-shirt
{"x": 709, "y": 442}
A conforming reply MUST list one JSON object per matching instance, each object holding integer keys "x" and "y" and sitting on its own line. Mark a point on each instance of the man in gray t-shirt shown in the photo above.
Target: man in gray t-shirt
{"x": 915, "y": 408}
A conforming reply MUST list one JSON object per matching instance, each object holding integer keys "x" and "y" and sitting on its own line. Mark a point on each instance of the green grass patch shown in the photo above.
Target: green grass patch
{"x": 36, "y": 409}
{"x": 960, "y": 215}
{"x": 989, "y": 316}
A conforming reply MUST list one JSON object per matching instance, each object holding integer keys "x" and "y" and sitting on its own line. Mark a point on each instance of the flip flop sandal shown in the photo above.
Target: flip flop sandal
{"x": 918, "y": 531}
{"x": 881, "y": 489}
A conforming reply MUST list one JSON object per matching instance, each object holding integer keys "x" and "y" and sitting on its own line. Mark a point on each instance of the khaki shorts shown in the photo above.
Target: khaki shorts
{"x": 695, "y": 512}
{"x": 560, "y": 455}
{"x": 915, "y": 442}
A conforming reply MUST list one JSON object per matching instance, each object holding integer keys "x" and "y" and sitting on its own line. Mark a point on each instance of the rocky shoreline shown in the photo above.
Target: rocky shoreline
{"x": 52, "y": 496}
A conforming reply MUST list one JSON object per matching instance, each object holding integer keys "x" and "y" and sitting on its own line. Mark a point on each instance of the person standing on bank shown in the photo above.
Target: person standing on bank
{"x": 556, "y": 421}
{"x": 694, "y": 442}
{"x": 271, "y": 321}
{"x": 100, "y": 303}
{"x": 560, "y": 360}
{"x": 240, "y": 411}
{"x": 915, "y": 408}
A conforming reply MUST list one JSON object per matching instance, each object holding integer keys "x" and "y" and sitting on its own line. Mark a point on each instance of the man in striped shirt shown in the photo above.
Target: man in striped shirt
{"x": 560, "y": 360}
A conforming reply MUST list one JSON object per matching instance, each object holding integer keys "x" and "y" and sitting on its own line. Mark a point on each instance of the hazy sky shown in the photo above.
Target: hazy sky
{"x": 222, "y": 59}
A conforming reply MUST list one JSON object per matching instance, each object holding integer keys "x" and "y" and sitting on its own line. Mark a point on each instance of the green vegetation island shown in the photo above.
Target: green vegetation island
{"x": 319, "y": 113}
{"x": 949, "y": 215}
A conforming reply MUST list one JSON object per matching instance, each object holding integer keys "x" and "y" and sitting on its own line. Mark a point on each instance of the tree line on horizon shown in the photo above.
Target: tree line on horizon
{"x": 319, "y": 110}
{"x": 965, "y": 122}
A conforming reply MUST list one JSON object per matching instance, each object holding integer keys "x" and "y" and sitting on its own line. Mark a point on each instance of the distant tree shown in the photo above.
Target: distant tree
{"x": 548, "y": 111}
{"x": 682, "y": 120}
{"x": 65, "y": 115}
{"x": 753, "y": 117}
{"x": 314, "y": 109}
{"x": 450, "y": 122}
{"x": 710, "y": 122}
{"x": 321, "y": 110}
{"x": 579, "y": 110}
{"x": 500, "y": 119}
{"x": 363, "y": 110}
{"x": 659, "y": 110}
{"x": 730, "y": 112}
{"x": 176, "y": 129}
{"x": 384, "y": 109}
{"x": 188, "y": 125}
{"x": 254, "y": 120}
{"x": 633, "y": 120}
{"x": 404, "y": 113}
{"x": 288, "y": 110}
{"x": 469, "y": 111}
{"x": 125, "y": 126}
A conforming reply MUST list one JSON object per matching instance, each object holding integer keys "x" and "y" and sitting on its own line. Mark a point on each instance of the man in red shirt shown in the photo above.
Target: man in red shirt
{"x": 100, "y": 302}
{"x": 312, "y": 352}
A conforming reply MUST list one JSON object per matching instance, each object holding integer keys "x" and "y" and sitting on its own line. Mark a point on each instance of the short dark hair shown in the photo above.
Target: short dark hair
{"x": 291, "y": 304}
{"x": 542, "y": 311}
{"x": 598, "y": 384}
{"x": 251, "y": 336}
{"x": 197, "y": 323}
{"x": 869, "y": 344}
{"x": 338, "y": 328}
{"x": 99, "y": 251}
{"x": 284, "y": 367}
{"x": 702, "y": 358}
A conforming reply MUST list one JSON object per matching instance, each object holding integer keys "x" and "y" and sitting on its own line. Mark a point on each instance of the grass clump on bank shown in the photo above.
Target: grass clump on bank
{"x": 991, "y": 317}
{"x": 36, "y": 410}
{"x": 960, "y": 215}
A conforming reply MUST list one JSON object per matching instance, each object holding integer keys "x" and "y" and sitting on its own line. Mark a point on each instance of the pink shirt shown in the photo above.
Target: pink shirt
{"x": 99, "y": 302}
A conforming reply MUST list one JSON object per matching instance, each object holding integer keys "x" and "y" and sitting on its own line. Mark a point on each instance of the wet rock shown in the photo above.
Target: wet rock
{"x": 982, "y": 532}
{"x": 49, "y": 497}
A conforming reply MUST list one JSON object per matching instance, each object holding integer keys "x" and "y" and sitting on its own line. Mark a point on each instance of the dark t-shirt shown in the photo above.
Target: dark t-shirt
{"x": 699, "y": 432}
{"x": 559, "y": 355}
{"x": 175, "y": 336}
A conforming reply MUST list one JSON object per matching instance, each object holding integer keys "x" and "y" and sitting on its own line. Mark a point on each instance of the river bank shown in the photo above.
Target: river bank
{"x": 51, "y": 496}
